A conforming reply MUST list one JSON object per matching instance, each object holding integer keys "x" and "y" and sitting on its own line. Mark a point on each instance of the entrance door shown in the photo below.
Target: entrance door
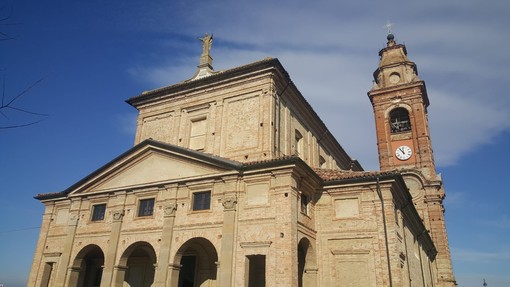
{"x": 188, "y": 271}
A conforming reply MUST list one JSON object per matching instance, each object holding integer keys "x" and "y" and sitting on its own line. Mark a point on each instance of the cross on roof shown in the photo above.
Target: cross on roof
{"x": 388, "y": 26}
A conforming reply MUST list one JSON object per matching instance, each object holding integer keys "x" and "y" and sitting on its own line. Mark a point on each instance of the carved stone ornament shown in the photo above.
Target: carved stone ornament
{"x": 73, "y": 220}
{"x": 118, "y": 214}
{"x": 229, "y": 202}
{"x": 170, "y": 209}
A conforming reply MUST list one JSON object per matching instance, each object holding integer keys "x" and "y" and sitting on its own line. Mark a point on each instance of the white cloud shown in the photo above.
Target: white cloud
{"x": 330, "y": 51}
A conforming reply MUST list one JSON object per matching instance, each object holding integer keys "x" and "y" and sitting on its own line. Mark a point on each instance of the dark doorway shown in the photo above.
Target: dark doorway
{"x": 188, "y": 269}
{"x": 256, "y": 270}
{"x": 197, "y": 258}
{"x": 140, "y": 272}
{"x": 89, "y": 262}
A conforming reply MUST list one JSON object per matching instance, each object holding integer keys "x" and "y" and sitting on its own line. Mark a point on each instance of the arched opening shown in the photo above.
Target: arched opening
{"x": 307, "y": 267}
{"x": 399, "y": 120}
{"x": 298, "y": 143}
{"x": 197, "y": 260}
{"x": 87, "y": 267}
{"x": 139, "y": 262}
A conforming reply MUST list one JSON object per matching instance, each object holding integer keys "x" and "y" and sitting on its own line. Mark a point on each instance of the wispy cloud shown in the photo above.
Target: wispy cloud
{"x": 331, "y": 57}
{"x": 502, "y": 222}
{"x": 470, "y": 255}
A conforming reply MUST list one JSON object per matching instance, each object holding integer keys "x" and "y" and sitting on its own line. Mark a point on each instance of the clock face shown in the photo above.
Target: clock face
{"x": 403, "y": 152}
{"x": 394, "y": 78}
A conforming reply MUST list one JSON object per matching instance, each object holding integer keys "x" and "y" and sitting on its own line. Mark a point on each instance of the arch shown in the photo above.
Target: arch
{"x": 87, "y": 268}
{"x": 196, "y": 263}
{"x": 298, "y": 143}
{"x": 307, "y": 264}
{"x": 399, "y": 120}
{"x": 137, "y": 265}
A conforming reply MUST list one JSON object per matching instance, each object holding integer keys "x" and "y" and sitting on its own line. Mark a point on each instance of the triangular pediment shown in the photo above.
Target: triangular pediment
{"x": 151, "y": 165}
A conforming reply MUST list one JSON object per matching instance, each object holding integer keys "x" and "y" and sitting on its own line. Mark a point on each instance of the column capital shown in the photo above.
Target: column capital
{"x": 118, "y": 215}
{"x": 229, "y": 203}
{"x": 170, "y": 209}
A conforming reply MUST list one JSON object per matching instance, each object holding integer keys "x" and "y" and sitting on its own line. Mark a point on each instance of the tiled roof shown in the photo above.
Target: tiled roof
{"x": 332, "y": 175}
{"x": 214, "y": 76}
{"x": 250, "y": 163}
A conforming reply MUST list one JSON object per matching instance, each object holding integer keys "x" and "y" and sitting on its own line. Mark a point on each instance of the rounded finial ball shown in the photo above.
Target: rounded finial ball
{"x": 390, "y": 37}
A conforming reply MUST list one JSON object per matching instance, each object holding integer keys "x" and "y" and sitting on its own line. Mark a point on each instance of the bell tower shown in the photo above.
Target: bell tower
{"x": 400, "y": 104}
{"x": 399, "y": 99}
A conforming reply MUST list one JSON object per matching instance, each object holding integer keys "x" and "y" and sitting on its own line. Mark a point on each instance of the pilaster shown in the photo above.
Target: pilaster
{"x": 166, "y": 244}
{"x": 113, "y": 243}
{"x": 60, "y": 278}
{"x": 227, "y": 240}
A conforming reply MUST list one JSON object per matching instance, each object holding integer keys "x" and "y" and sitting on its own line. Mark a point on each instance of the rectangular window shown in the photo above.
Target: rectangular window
{"x": 202, "y": 200}
{"x": 146, "y": 207}
{"x": 304, "y": 204}
{"x": 197, "y": 134}
{"x": 98, "y": 212}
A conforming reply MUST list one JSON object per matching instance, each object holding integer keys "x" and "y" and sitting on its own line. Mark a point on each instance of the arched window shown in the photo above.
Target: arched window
{"x": 298, "y": 143}
{"x": 399, "y": 120}
{"x": 322, "y": 162}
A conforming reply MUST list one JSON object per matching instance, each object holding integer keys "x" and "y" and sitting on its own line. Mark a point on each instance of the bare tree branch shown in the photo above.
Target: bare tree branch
{"x": 10, "y": 106}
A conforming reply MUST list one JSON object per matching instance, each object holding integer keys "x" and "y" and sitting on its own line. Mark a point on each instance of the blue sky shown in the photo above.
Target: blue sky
{"x": 92, "y": 55}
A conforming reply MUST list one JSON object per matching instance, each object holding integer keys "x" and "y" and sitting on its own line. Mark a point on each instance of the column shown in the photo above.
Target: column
{"x": 227, "y": 241}
{"x": 60, "y": 277}
{"x": 166, "y": 243}
{"x": 111, "y": 253}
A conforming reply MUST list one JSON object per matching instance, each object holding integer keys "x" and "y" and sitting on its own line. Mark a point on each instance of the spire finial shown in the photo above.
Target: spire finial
{"x": 388, "y": 26}
{"x": 390, "y": 37}
{"x": 205, "y": 65}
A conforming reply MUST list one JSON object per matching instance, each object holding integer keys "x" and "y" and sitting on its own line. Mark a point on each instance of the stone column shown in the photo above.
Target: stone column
{"x": 60, "y": 277}
{"x": 166, "y": 244}
{"x": 73, "y": 275}
{"x": 227, "y": 241}
{"x": 119, "y": 272}
{"x": 111, "y": 253}
{"x": 173, "y": 277}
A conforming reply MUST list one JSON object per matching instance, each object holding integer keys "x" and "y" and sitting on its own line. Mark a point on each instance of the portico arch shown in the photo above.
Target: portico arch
{"x": 87, "y": 268}
{"x": 136, "y": 265}
{"x": 307, "y": 264}
{"x": 195, "y": 263}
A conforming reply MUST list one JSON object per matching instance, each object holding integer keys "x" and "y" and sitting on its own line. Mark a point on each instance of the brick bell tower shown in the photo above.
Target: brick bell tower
{"x": 400, "y": 104}
{"x": 399, "y": 99}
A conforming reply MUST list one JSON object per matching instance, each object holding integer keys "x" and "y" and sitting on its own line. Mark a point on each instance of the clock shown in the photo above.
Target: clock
{"x": 403, "y": 152}
{"x": 394, "y": 78}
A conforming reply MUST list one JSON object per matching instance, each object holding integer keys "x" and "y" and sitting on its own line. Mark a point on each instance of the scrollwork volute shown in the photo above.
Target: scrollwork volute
{"x": 170, "y": 209}
{"x": 229, "y": 202}
{"x": 117, "y": 215}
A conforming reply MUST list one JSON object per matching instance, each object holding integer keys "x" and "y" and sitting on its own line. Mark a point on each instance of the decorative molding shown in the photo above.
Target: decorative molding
{"x": 349, "y": 252}
{"x": 73, "y": 220}
{"x": 170, "y": 209}
{"x": 255, "y": 244}
{"x": 118, "y": 215}
{"x": 229, "y": 202}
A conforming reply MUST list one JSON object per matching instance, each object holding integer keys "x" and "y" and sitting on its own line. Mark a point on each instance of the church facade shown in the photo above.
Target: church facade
{"x": 234, "y": 180}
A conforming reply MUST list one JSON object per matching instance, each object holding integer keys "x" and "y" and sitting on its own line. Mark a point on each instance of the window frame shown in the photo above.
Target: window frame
{"x": 141, "y": 206}
{"x": 303, "y": 203}
{"x": 93, "y": 212}
{"x": 298, "y": 143}
{"x": 200, "y": 205}
{"x": 402, "y": 123}
{"x": 200, "y": 138}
